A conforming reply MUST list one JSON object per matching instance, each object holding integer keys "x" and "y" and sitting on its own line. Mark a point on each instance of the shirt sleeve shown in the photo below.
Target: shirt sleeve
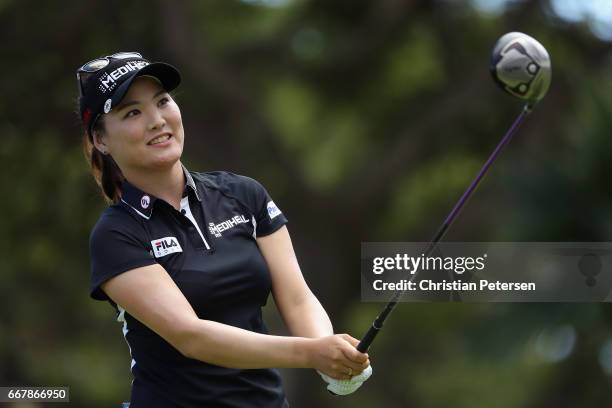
{"x": 268, "y": 216}
{"x": 116, "y": 246}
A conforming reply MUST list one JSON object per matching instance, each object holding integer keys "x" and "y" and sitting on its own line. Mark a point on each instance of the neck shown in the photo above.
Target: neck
{"x": 166, "y": 184}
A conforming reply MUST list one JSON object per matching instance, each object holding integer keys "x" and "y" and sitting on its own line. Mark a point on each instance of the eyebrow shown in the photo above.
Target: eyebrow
{"x": 124, "y": 105}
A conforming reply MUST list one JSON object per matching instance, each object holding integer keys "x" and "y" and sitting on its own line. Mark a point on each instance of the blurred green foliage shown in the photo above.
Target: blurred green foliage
{"x": 365, "y": 121}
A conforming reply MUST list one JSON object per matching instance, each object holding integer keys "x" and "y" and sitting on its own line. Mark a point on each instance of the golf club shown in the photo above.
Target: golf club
{"x": 521, "y": 66}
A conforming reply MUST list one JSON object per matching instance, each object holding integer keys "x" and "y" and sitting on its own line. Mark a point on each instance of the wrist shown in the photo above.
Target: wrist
{"x": 303, "y": 350}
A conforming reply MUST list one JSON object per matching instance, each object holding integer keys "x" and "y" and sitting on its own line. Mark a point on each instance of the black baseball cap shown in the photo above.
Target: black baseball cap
{"x": 103, "y": 82}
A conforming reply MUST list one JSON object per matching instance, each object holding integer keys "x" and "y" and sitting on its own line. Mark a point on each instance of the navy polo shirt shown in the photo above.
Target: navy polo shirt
{"x": 209, "y": 250}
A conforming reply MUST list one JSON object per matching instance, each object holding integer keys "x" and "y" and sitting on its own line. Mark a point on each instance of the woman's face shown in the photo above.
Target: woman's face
{"x": 145, "y": 131}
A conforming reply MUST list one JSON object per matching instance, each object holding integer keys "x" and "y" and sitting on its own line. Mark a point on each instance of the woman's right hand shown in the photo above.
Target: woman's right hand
{"x": 337, "y": 356}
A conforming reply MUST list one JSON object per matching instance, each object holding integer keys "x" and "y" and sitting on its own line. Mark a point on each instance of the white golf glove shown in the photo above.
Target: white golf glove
{"x": 345, "y": 387}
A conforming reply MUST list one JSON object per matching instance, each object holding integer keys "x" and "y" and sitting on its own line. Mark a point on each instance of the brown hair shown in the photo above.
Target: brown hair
{"x": 105, "y": 171}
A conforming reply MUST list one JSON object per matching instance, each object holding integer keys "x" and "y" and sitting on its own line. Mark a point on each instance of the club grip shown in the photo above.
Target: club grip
{"x": 369, "y": 337}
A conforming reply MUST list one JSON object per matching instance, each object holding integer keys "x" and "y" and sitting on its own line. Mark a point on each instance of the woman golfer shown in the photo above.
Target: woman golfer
{"x": 188, "y": 259}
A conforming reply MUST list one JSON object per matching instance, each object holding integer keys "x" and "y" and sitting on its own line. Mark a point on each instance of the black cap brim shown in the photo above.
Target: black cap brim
{"x": 167, "y": 75}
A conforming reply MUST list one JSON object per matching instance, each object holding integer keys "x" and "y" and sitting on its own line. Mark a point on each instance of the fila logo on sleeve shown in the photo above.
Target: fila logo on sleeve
{"x": 273, "y": 210}
{"x": 165, "y": 246}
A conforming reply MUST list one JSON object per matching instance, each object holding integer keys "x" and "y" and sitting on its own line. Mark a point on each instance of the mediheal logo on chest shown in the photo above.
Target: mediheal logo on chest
{"x": 273, "y": 210}
{"x": 165, "y": 246}
{"x": 217, "y": 229}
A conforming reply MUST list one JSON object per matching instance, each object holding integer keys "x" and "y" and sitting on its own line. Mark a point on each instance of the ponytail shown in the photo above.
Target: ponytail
{"x": 105, "y": 171}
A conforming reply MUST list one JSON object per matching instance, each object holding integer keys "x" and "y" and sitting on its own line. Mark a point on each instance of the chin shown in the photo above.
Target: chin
{"x": 167, "y": 159}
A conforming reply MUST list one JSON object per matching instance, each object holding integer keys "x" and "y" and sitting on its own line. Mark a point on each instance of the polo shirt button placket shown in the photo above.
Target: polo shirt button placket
{"x": 197, "y": 237}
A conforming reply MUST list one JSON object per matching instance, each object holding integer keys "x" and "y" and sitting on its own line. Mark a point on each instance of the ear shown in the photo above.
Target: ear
{"x": 99, "y": 141}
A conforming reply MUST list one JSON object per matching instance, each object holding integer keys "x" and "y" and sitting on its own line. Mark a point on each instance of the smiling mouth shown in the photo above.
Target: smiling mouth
{"x": 160, "y": 139}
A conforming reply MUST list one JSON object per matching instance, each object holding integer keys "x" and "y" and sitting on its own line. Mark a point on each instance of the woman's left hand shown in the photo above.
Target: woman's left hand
{"x": 346, "y": 387}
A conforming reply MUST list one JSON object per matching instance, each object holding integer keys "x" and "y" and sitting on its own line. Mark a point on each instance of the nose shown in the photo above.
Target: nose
{"x": 156, "y": 120}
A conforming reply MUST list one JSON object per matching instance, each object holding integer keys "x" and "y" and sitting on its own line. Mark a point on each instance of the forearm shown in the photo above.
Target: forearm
{"x": 300, "y": 309}
{"x": 307, "y": 318}
{"x": 229, "y": 346}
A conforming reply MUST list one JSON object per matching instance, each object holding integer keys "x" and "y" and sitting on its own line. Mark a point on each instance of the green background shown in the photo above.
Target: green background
{"x": 365, "y": 120}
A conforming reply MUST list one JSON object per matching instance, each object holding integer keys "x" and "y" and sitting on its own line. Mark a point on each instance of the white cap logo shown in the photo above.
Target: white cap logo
{"x": 107, "y": 105}
{"x": 145, "y": 201}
